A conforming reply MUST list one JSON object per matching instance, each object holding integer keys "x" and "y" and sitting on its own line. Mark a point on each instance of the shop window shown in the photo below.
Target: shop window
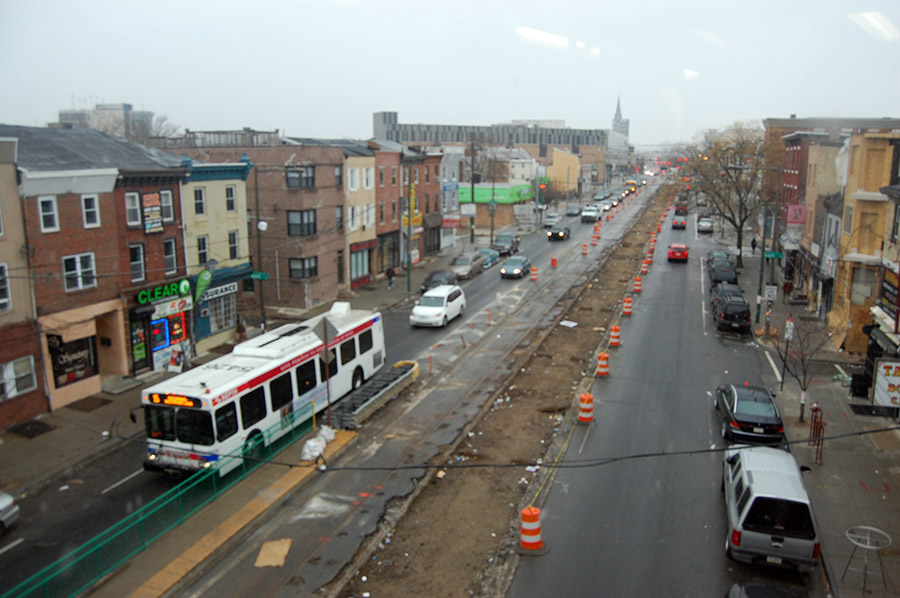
{"x": 159, "y": 334}
{"x": 253, "y": 407}
{"x": 222, "y": 313}
{"x": 177, "y": 332}
{"x": 72, "y": 361}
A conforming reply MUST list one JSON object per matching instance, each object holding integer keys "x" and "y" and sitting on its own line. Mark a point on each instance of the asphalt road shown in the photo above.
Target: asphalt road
{"x": 625, "y": 516}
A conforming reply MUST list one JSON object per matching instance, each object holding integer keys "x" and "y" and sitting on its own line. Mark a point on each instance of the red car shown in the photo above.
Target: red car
{"x": 679, "y": 222}
{"x": 678, "y": 252}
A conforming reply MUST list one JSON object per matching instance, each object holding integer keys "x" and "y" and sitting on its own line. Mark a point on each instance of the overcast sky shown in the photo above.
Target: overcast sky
{"x": 321, "y": 68}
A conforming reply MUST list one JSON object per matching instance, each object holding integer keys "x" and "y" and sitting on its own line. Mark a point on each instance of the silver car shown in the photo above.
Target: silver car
{"x": 466, "y": 266}
{"x": 9, "y": 512}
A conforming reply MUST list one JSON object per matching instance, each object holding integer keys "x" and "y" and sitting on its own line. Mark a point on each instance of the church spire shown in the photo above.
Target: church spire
{"x": 618, "y": 115}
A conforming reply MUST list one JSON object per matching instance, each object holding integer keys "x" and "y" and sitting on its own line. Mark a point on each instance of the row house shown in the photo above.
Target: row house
{"x": 296, "y": 214}
{"x": 389, "y": 203}
{"x": 22, "y": 391}
{"x": 361, "y": 240}
{"x": 103, "y": 241}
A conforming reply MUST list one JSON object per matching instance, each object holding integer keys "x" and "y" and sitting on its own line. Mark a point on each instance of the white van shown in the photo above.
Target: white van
{"x": 770, "y": 520}
{"x": 438, "y": 306}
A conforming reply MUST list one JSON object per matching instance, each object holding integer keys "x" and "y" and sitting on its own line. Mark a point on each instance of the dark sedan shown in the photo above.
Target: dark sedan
{"x": 679, "y": 222}
{"x": 749, "y": 414}
{"x": 722, "y": 273}
{"x": 558, "y": 233}
{"x": 515, "y": 267}
{"x": 438, "y": 277}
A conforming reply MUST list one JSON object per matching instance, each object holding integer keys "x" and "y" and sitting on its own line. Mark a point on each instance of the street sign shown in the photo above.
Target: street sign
{"x": 259, "y": 276}
{"x": 773, "y": 255}
{"x": 789, "y": 329}
{"x": 771, "y": 292}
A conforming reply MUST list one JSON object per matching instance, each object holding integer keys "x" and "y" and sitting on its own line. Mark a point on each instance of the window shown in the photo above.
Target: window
{"x": 406, "y": 176}
{"x": 202, "y": 249}
{"x": 306, "y": 377}
{"x": 1, "y": 222}
{"x": 253, "y": 407}
{"x": 338, "y": 176}
{"x": 895, "y": 228}
{"x": 339, "y": 217}
{"x": 230, "y": 202}
{"x": 394, "y": 176}
{"x": 437, "y": 172}
{"x": 301, "y": 223}
{"x": 332, "y": 365}
{"x": 132, "y": 209}
{"x": 49, "y": 215}
{"x": 427, "y": 177}
{"x": 381, "y": 176}
{"x": 90, "y": 211}
{"x": 226, "y": 422}
{"x": 381, "y": 212}
{"x": 166, "y": 206}
{"x": 848, "y": 220}
{"x": 17, "y": 377}
{"x": 301, "y": 177}
{"x": 169, "y": 256}
{"x": 354, "y": 178}
{"x": 369, "y": 216}
{"x": 199, "y": 201}
{"x": 232, "y": 244}
{"x": 368, "y": 176}
{"x": 281, "y": 391}
{"x": 365, "y": 342}
{"x": 348, "y": 351}
{"x": 354, "y": 217}
{"x": 304, "y": 267}
{"x": 416, "y": 175}
{"x": 222, "y": 313}
{"x": 5, "y": 300}
{"x": 78, "y": 271}
{"x": 136, "y": 256}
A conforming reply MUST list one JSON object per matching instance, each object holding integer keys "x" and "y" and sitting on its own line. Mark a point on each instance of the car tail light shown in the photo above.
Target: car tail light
{"x": 734, "y": 425}
{"x": 817, "y": 551}
{"x": 779, "y": 429}
{"x": 736, "y": 538}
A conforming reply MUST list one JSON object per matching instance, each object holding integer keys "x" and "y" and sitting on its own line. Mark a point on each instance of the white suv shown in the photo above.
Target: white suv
{"x": 438, "y": 306}
{"x": 590, "y": 214}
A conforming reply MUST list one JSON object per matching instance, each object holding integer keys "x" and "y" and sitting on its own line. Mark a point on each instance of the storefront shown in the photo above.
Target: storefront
{"x": 158, "y": 324}
{"x": 360, "y": 262}
{"x": 432, "y": 225}
{"x": 388, "y": 251}
{"x": 216, "y": 313}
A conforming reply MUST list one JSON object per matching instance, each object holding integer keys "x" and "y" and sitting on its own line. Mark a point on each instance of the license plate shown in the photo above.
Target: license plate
{"x": 758, "y": 430}
{"x": 773, "y": 560}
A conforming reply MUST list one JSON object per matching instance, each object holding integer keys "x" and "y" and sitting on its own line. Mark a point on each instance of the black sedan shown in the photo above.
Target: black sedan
{"x": 515, "y": 267}
{"x": 558, "y": 233}
{"x": 749, "y": 414}
{"x": 438, "y": 277}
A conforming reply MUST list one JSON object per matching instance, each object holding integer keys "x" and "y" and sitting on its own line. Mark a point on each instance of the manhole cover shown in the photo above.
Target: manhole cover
{"x": 30, "y": 429}
{"x": 89, "y": 403}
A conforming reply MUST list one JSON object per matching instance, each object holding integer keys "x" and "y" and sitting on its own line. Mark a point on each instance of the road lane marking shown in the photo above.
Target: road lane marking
{"x": 122, "y": 481}
{"x": 11, "y": 545}
{"x": 774, "y": 367}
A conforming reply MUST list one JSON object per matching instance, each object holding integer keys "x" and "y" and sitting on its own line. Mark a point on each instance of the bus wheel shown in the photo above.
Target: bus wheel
{"x": 357, "y": 378}
{"x": 254, "y": 448}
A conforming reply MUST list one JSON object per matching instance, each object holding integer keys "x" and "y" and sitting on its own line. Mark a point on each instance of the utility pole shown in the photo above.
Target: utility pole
{"x": 259, "y": 229}
{"x": 410, "y": 198}
{"x": 472, "y": 180}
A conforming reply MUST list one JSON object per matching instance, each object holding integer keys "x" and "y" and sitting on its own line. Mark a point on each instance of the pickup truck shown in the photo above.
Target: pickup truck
{"x": 506, "y": 243}
{"x": 590, "y": 214}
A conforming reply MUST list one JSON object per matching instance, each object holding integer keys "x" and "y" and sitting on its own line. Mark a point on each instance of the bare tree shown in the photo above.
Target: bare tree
{"x": 797, "y": 353}
{"x": 728, "y": 168}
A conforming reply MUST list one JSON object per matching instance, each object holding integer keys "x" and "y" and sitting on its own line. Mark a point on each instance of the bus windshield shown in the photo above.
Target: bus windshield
{"x": 189, "y": 426}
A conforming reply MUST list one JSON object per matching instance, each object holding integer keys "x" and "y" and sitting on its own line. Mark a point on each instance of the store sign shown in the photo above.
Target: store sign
{"x": 889, "y": 294}
{"x": 72, "y": 361}
{"x": 166, "y": 291}
{"x": 887, "y": 383}
{"x": 225, "y": 289}
{"x": 153, "y": 221}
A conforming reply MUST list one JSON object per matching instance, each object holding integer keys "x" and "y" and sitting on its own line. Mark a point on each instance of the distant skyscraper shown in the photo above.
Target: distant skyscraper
{"x": 618, "y": 150}
{"x": 120, "y": 120}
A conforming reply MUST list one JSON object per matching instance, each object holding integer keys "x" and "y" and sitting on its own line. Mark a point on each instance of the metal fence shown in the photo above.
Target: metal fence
{"x": 95, "y": 558}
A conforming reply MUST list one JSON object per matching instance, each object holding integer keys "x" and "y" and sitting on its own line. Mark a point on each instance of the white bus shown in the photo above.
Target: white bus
{"x": 265, "y": 387}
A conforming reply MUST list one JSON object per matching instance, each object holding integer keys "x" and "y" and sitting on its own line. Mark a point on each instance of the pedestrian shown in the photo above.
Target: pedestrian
{"x": 753, "y": 245}
{"x": 390, "y": 277}
{"x": 786, "y": 289}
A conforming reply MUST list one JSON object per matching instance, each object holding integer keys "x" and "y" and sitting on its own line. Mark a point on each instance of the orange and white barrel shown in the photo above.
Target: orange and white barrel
{"x": 553, "y": 261}
{"x": 584, "y": 249}
{"x": 602, "y": 365}
{"x": 585, "y": 408}
{"x": 614, "y": 336}
{"x": 626, "y": 306}
{"x": 534, "y": 275}
{"x": 637, "y": 284}
{"x": 645, "y": 267}
{"x": 594, "y": 240}
{"x": 530, "y": 542}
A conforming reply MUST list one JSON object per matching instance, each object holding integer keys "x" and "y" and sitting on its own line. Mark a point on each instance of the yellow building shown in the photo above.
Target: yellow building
{"x": 865, "y": 222}
{"x": 361, "y": 241}
{"x": 563, "y": 172}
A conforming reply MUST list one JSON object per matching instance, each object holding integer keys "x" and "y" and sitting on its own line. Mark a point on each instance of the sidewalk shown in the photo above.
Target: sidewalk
{"x": 857, "y": 482}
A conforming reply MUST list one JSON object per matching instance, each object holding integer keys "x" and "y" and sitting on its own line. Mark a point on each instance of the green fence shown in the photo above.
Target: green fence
{"x": 100, "y": 555}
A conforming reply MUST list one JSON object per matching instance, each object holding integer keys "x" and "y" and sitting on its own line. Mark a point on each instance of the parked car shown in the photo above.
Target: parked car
{"x": 573, "y": 211}
{"x": 558, "y": 233}
{"x": 467, "y": 266}
{"x": 438, "y": 306}
{"x": 722, "y": 272}
{"x": 704, "y": 225}
{"x": 749, "y": 414}
{"x": 515, "y": 267}
{"x": 551, "y": 219}
{"x": 679, "y": 222}
{"x": 491, "y": 257}
{"x": 678, "y": 252}
{"x": 506, "y": 243}
{"x": 769, "y": 514}
{"x": 438, "y": 277}
{"x": 732, "y": 313}
{"x": 590, "y": 214}
{"x": 9, "y": 512}
{"x": 723, "y": 291}
{"x": 717, "y": 254}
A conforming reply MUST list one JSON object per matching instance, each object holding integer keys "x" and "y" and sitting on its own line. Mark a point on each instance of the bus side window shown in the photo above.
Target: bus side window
{"x": 348, "y": 351}
{"x": 253, "y": 407}
{"x": 281, "y": 392}
{"x": 306, "y": 377}
{"x": 226, "y": 422}
{"x": 332, "y": 365}
{"x": 365, "y": 342}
